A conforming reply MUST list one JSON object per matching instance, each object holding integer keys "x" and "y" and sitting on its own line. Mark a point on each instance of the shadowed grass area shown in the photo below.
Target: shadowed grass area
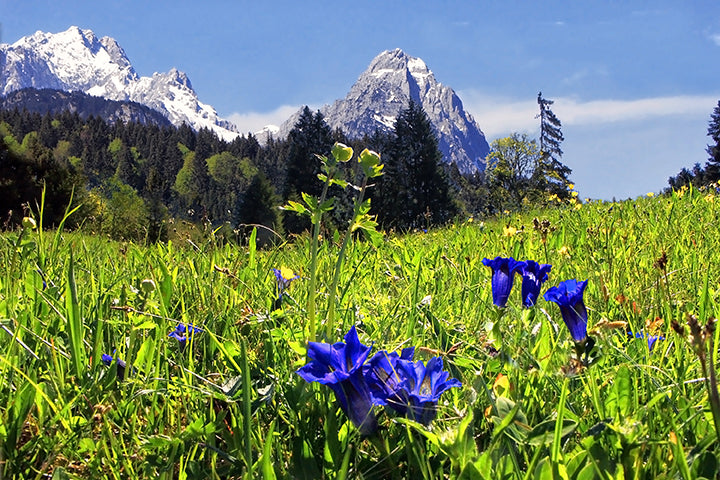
{"x": 227, "y": 403}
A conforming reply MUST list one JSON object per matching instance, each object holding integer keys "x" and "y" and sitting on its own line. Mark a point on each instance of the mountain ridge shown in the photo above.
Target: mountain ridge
{"x": 77, "y": 60}
{"x": 55, "y": 101}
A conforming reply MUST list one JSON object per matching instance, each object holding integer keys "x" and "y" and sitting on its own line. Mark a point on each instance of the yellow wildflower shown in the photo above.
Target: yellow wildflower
{"x": 574, "y": 194}
{"x": 710, "y": 198}
{"x": 509, "y": 231}
{"x": 287, "y": 274}
{"x": 571, "y": 186}
{"x": 564, "y": 250}
{"x": 651, "y": 194}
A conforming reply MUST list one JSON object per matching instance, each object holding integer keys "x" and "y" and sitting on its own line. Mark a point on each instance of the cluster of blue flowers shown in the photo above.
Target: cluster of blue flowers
{"x": 504, "y": 269}
{"x": 390, "y": 379}
{"x": 568, "y": 295}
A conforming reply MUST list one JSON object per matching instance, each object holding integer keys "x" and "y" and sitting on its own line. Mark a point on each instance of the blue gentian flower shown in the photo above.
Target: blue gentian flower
{"x": 503, "y": 271}
{"x": 533, "y": 276}
{"x": 107, "y": 361}
{"x": 651, "y": 339}
{"x": 340, "y": 367}
{"x": 182, "y": 332}
{"x": 569, "y": 297}
{"x": 421, "y": 388}
{"x": 381, "y": 373}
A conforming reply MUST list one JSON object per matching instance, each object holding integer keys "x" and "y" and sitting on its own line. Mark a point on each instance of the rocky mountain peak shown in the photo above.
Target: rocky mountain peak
{"x": 386, "y": 87}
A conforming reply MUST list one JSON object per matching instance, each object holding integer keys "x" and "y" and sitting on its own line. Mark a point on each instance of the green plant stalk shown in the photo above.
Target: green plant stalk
{"x": 16, "y": 250}
{"x": 340, "y": 260}
{"x": 247, "y": 432}
{"x": 311, "y": 301}
{"x": 712, "y": 387}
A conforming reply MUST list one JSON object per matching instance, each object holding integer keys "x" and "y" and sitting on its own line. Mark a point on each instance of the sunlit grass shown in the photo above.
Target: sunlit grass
{"x": 525, "y": 410}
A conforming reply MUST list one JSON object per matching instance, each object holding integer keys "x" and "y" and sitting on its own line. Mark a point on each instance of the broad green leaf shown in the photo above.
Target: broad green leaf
{"x": 623, "y": 392}
{"x": 543, "y": 433}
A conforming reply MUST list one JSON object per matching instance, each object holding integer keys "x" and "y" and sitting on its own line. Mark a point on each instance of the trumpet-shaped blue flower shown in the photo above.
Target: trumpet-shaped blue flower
{"x": 503, "y": 271}
{"x": 651, "y": 339}
{"x": 381, "y": 372}
{"x": 108, "y": 359}
{"x": 533, "y": 276}
{"x": 569, "y": 297}
{"x": 182, "y": 332}
{"x": 421, "y": 389}
{"x": 340, "y": 367}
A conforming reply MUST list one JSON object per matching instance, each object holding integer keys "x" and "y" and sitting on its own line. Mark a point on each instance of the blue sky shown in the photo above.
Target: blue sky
{"x": 634, "y": 82}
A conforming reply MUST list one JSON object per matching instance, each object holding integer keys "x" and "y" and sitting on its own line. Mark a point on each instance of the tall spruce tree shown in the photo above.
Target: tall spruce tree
{"x": 414, "y": 191}
{"x": 551, "y": 175}
{"x": 712, "y": 167}
{"x": 309, "y": 137}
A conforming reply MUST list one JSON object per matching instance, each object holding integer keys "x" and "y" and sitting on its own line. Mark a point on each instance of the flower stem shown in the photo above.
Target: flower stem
{"x": 317, "y": 216}
{"x": 709, "y": 371}
{"x": 340, "y": 260}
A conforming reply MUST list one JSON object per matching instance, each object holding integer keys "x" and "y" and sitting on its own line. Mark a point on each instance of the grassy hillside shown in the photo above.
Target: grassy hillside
{"x": 226, "y": 401}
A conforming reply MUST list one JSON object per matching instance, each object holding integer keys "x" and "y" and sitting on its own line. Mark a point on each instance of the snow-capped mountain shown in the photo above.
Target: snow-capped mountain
{"x": 76, "y": 60}
{"x": 385, "y": 89}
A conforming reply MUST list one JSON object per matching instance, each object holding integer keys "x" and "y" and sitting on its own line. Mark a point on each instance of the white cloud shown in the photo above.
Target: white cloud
{"x": 572, "y": 112}
{"x": 715, "y": 37}
{"x": 500, "y": 116}
{"x": 253, "y": 122}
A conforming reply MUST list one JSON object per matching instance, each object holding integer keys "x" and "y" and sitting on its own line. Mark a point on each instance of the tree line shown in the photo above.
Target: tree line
{"x": 146, "y": 182}
{"x": 700, "y": 175}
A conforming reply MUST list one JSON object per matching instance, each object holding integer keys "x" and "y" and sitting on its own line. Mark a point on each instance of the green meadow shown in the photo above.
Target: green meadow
{"x": 228, "y": 403}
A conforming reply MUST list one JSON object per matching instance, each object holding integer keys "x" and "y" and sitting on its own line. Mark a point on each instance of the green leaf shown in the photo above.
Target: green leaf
{"x": 510, "y": 420}
{"x": 623, "y": 392}
{"x": 327, "y": 205}
{"x": 266, "y": 461}
{"x": 543, "y": 433}
{"x": 296, "y": 207}
{"x": 340, "y": 183}
{"x": 310, "y": 201}
{"x": 74, "y": 320}
{"x": 146, "y": 325}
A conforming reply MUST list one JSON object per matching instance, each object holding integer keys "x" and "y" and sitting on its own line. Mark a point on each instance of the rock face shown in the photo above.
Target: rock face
{"x": 76, "y": 60}
{"x": 385, "y": 89}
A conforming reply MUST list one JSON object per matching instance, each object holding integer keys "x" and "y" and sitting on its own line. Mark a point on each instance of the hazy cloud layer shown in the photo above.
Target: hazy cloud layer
{"x": 499, "y": 117}
{"x": 253, "y": 122}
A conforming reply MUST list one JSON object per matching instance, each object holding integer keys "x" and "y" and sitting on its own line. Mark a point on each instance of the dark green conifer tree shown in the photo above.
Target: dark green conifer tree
{"x": 712, "y": 166}
{"x": 551, "y": 175}
{"x": 259, "y": 209}
{"x": 311, "y": 136}
{"x": 414, "y": 191}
